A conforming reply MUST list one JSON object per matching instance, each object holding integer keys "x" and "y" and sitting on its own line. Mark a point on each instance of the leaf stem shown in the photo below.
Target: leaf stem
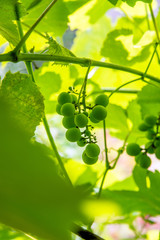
{"x": 81, "y": 61}
{"x": 25, "y": 37}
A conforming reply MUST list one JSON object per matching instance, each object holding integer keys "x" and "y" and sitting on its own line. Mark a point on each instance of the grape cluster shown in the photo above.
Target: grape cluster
{"x": 150, "y": 125}
{"x": 78, "y": 119}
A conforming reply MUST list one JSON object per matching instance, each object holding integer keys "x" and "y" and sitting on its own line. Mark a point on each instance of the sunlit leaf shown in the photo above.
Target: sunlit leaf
{"x": 8, "y": 27}
{"x": 25, "y": 98}
{"x": 149, "y": 100}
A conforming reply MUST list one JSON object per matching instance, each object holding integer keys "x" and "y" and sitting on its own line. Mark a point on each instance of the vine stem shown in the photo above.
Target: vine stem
{"x": 25, "y": 37}
{"x": 155, "y": 48}
{"x": 50, "y": 137}
{"x": 80, "y": 61}
{"x": 118, "y": 88}
{"x": 106, "y": 159}
{"x": 130, "y": 91}
{"x": 83, "y": 89}
{"x": 46, "y": 125}
{"x": 154, "y": 22}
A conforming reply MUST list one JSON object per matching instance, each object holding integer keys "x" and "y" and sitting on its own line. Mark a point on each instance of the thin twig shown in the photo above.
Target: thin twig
{"x": 25, "y": 37}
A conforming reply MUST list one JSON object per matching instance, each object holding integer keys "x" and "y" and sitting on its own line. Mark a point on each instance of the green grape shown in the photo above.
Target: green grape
{"x": 144, "y": 161}
{"x": 87, "y": 133}
{"x": 133, "y": 149}
{"x": 81, "y": 120}
{"x": 150, "y": 134}
{"x": 73, "y": 98}
{"x": 64, "y": 97}
{"x": 73, "y": 134}
{"x": 99, "y": 112}
{"x": 150, "y": 120}
{"x": 157, "y": 143}
{"x": 81, "y": 142}
{"x": 92, "y": 150}
{"x": 137, "y": 158}
{"x": 143, "y": 127}
{"x": 68, "y": 109}
{"x": 92, "y": 119}
{"x": 58, "y": 108}
{"x": 89, "y": 160}
{"x": 149, "y": 147}
{"x": 102, "y": 99}
{"x": 68, "y": 122}
{"x": 157, "y": 152}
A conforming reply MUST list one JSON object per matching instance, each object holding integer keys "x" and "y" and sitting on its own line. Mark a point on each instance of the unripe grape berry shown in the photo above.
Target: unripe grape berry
{"x": 73, "y": 98}
{"x": 81, "y": 142}
{"x": 157, "y": 143}
{"x": 68, "y": 109}
{"x": 73, "y": 134}
{"x": 88, "y": 160}
{"x": 133, "y": 149}
{"x": 149, "y": 147}
{"x": 58, "y": 108}
{"x": 144, "y": 161}
{"x": 81, "y": 120}
{"x": 64, "y": 97}
{"x": 150, "y": 134}
{"x": 92, "y": 119}
{"x": 143, "y": 127}
{"x": 157, "y": 152}
{"x": 150, "y": 120}
{"x": 92, "y": 150}
{"x": 68, "y": 122}
{"x": 99, "y": 112}
{"x": 87, "y": 133}
{"x": 102, "y": 100}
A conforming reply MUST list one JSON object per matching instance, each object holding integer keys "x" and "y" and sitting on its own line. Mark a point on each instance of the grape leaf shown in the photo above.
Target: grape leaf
{"x": 33, "y": 198}
{"x": 8, "y": 28}
{"x": 114, "y": 2}
{"x": 133, "y": 2}
{"x": 149, "y": 100}
{"x": 116, "y": 121}
{"x": 146, "y": 200}
{"x": 56, "y": 24}
{"x": 73, "y": 5}
{"x": 114, "y": 49}
{"x": 99, "y": 9}
{"x": 25, "y": 98}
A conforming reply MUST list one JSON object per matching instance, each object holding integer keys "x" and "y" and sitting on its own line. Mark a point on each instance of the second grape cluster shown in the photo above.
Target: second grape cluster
{"x": 78, "y": 119}
{"x": 150, "y": 125}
